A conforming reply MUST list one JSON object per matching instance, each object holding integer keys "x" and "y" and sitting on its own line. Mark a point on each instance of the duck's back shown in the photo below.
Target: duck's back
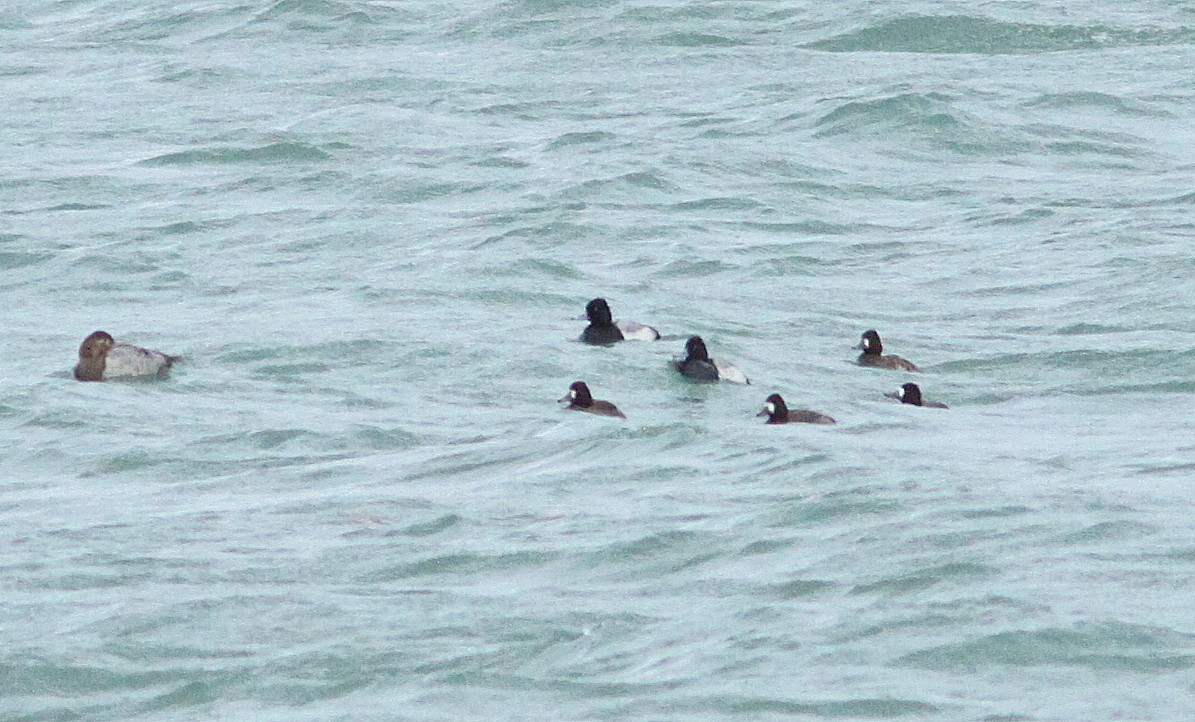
{"x": 605, "y": 408}
{"x": 889, "y": 361}
{"x": 805, "y": 416}
{"x": 128, "y": 360}
{"x": 730, "y": 372}
{"x": 633, "y": 331}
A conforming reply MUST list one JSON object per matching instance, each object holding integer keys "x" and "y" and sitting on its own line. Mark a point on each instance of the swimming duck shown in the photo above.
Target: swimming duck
{"x": 579, "y": 399}
{"x": 698, "y": 365}
{"x": 779, "y": 413}
{"x": 911, "y": 394}
{"x": 101, "y": 358}
{"x": 603, "y": 329}
{"x": 873, "y": 354}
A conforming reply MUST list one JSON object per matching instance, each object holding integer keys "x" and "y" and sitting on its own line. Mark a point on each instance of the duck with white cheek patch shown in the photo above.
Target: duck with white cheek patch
{"x": 873, "y": 354}
{"x": 911, "y": 394}
{"x": 580, "y": 399}
{"x": 779, "y": 413}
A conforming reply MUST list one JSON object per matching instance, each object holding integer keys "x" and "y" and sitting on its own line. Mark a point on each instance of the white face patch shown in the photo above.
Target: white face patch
{"x": 770, "y": 407}
{"x": 572, "y": 394}
{"x": 900, "y": 393}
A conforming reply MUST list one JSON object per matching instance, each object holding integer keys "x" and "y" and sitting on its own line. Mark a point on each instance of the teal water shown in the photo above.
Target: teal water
{"x": 367, "y": 227}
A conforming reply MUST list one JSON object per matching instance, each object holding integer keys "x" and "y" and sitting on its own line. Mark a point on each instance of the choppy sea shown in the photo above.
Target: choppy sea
{"x": 368, "y": 227}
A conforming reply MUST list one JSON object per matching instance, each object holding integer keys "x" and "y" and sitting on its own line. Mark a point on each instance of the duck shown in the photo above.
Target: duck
{"x": 698, "y": 365}
{"x": 580, "y": 399}
{"x": 911, "y": 394}
{"x": 873, "y": 354}
{"x": 101, "y": 359}
{"x": 779, "y": 413}
{"x": 603, "y": 329}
